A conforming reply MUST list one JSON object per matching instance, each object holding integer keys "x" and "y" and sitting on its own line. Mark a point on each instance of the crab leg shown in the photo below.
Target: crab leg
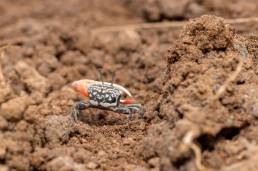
{"x": 81, "y": 105}
{"x": 123, "y": 110}
{"x": 137, "y": 108}
{"x": 127, "y": 101}
{"x": 130, "y": 109}
{"x": 133, "y": 106}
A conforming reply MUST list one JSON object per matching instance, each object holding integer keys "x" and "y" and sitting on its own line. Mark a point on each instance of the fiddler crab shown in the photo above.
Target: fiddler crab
{"x": 104, "y": 95}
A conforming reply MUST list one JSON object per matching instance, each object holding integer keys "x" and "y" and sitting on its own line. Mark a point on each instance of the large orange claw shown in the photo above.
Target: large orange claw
{"x": 81, "y": 87}
{"x": 87, "y": 82}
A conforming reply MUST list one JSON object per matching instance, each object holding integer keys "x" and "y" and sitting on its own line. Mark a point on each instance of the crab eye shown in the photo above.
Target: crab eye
{"x": 113, "y": 100}
{"x": 110, "y": 99}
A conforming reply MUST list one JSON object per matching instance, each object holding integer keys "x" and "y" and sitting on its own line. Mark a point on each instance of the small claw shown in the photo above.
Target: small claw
{"x": 137, "y": 108}
{"x": 127, "y": 101}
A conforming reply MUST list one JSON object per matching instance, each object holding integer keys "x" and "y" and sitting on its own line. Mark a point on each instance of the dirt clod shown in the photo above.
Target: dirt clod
{"x": 3, "y": 168}
{"x": 3, "y": 123}
{"x": 201, "y": 81}
{"x": 208, "y": 33}
{"x": 9, "y": 112}
{"x": 92, "y": 165}
{"x": 65, "y": 163}
{"x": 58, "y": 129}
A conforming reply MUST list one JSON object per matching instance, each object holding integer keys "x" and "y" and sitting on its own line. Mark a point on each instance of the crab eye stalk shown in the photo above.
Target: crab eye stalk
{"x": 80, "y": 87}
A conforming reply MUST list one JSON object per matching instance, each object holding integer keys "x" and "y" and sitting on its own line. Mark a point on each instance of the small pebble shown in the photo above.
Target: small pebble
{"x": 101, "y": 153}
{"x": 2, "y": 152}
{"x": 128, "y": 141}
{"x": 22, "y": 126}
{"x": 3, "y": 168}
{"x": 92, "y": 165}
{"x": 3, "y": 123}
{"x": 154, "y": 162}
{"x": 140, "y": 168}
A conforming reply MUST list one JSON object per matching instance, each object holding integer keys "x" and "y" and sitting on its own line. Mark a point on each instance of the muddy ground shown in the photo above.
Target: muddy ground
{"x": 197, "y": 81}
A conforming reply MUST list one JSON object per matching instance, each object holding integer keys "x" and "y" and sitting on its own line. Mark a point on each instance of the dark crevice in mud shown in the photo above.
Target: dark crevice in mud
{"x": 74, "y": 134}
{"x": 174, "y": 18}
{"x": 207, "y": 141}
{"x": 185, "y": 76}
{"x": 205, "y": 51}
{"x": 157, "y": 108}
{"x": 163, "y": 18}
{"x": 240, "y": 82}
{"x": 80, "y": 51}
{"x": 43, "y": 138}
{"x": 222, "y": 49}
{"x": 59, "y": 55}
{"x": 180, "y": 114}
{"x": 2, "y": 161}
{"x": 68, "y": 41}
{"x": 35, "y": 169}
{"x": 228, "y": 133}
{"x": 181, "y": 162}
{"x": 27, "y": 89}
{"x": 49, "y": 91}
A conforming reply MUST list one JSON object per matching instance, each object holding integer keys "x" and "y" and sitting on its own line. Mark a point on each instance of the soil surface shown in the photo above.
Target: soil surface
{"x": 198, "y": 84}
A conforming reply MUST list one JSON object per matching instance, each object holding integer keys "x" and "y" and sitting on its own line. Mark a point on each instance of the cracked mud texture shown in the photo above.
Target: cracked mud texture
{"x": 53, "y": 46}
